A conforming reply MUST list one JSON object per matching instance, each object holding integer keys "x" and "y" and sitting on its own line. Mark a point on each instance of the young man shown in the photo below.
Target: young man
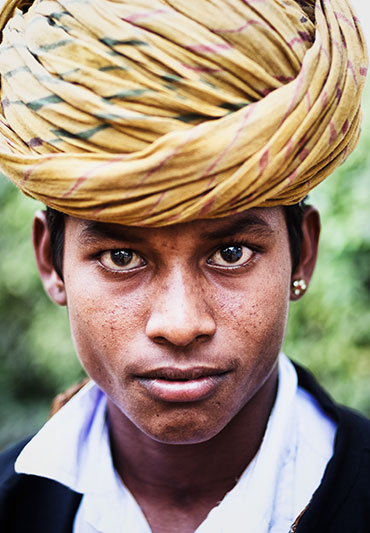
{"x": 176, "y": 142}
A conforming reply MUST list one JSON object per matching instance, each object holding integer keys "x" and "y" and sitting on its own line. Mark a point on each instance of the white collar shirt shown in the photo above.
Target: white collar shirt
{"x": 73, "y": 449}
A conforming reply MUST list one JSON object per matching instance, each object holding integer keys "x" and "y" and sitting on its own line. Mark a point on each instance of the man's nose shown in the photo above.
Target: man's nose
{"x": 179, "y": 313}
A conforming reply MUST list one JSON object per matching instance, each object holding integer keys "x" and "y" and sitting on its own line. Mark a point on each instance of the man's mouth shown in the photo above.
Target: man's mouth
{"x": 182, "y": 385}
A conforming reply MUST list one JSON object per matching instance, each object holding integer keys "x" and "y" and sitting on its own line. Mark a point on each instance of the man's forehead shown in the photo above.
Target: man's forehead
{"x": 261, "y": 220}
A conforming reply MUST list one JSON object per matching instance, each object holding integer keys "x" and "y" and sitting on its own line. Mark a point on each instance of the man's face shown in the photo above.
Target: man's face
{"x": 181, "y": 326}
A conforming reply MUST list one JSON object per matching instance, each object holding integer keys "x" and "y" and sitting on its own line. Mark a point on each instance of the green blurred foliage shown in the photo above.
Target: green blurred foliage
{"x": 36, "y": 354}
{"x": 328, "y": 329}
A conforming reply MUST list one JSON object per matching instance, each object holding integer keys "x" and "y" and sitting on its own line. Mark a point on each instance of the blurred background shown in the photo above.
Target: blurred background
{"x": 328, "y": 331}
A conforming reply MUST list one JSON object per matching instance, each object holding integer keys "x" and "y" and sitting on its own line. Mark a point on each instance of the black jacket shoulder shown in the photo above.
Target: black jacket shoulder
{"x": 342, "y": 501}
{"x": 31, "y": 504}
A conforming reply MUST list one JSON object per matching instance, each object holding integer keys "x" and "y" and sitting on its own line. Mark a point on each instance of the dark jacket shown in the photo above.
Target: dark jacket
{"x": 341, "y": 504}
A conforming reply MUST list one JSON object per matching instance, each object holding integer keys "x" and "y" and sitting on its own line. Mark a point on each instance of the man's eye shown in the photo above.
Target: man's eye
{"x": 233, "y": 255}
{"x": 121, "y": 260}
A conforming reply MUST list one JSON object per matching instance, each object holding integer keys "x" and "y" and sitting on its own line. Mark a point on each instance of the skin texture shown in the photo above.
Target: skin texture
{"x": 179, "y": 306}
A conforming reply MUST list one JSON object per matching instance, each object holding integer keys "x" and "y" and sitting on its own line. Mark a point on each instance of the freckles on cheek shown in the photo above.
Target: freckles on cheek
{"x": 94, "y": 333}
{"x": 257, "y": 313}
{"x": 269, "y": 314}
{"x": 254, "y": 306}
{"x": 104, "y": 329}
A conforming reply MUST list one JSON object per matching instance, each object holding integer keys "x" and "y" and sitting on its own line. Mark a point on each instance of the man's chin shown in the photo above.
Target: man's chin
{"x": 182, "y": 423}
{"x": 189, "y": 426}
{"x": 182, "y": 435}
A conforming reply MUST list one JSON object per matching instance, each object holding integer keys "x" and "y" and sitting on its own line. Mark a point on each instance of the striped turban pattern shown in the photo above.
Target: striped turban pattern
{"x": 153, "y": 112}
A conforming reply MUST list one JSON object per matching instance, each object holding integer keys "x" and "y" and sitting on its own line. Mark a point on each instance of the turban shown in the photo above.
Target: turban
{"x": 154, "y": 112}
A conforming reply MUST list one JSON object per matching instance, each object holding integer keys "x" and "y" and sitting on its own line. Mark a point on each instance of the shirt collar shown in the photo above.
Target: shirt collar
{"x": 81, "y": 459}
{"x": 252, "y": 499}
{"x": 71, "y": 444}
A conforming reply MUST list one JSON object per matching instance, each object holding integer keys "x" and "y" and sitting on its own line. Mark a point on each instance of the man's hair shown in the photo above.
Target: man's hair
{"x": 293, "y": 217}
{"x": 55, "y": 221}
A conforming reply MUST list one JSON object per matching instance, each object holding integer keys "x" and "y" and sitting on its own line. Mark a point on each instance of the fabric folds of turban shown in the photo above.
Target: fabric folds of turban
{"x": 152, "y": 112}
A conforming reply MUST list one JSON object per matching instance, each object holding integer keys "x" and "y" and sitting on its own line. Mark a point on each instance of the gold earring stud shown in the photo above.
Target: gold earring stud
{"x": 299, "y": 286}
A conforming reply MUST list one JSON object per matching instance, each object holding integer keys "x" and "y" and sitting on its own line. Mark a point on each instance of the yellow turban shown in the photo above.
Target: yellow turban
{"x": 153, "y": 112}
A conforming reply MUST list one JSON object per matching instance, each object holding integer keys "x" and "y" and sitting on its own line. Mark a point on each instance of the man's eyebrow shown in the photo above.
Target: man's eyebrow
{"x": 249, "y": 222}
{"x": 94, "y": 231}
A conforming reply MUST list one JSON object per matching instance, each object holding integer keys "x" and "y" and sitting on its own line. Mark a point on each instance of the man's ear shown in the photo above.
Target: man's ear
{"x": 309, "y": 249}
{"x": 53, "y": 284}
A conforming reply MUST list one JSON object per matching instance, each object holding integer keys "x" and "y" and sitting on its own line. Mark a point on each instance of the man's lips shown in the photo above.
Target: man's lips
{"x": 182, "y": 384}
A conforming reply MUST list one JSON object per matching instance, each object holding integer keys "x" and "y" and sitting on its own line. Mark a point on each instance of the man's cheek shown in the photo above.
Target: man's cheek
{"x": 92, "y": 332}
{"x": 256, "y": 312}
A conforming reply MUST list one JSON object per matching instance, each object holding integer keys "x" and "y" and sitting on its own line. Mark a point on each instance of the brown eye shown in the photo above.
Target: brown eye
{"x": 232, "y": 255}
{"x": 121, "y": 260}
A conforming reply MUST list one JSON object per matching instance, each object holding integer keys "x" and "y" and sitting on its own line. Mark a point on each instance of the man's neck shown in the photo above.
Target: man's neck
{"x": 197, "y": 476}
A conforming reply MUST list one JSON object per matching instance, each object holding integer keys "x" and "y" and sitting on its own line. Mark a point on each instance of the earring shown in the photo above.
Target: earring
{"x": 298, "y": 287}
